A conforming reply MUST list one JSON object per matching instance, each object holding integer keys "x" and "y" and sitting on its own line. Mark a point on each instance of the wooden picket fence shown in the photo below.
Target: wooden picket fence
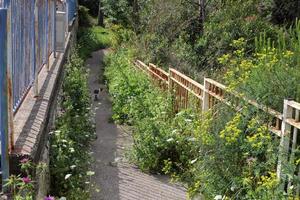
{"x": 285, "y": 125}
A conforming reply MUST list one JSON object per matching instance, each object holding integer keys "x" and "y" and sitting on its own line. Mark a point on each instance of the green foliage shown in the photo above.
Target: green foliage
{"x": 271, "y": 74}
{"x": 285, "y": 11}
{"x": 85, "y": 19}
{"x": 92, "y": 5}
{"x": 70, "y": 143}
{"x": 236, "y": 19}
{"x": 22, "y": 186}
{"x": 227, "y": 153}
{"x": 93, "y": 38}
{"x": 118, "y": 11}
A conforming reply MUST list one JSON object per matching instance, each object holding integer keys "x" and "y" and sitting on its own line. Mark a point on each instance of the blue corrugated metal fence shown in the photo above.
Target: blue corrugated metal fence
{"x": 72, "y": 7}
{"x": 27, "y": 40}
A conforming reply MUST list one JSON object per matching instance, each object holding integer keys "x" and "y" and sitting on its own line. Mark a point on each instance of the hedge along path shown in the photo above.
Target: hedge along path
{"x": 114, "y": 176}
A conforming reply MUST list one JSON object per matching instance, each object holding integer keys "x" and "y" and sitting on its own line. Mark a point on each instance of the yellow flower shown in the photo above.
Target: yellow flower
{"x": 231, "y": 132}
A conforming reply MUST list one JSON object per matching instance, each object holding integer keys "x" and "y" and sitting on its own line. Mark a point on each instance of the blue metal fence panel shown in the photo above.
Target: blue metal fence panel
{"x": 23, "y": 41}
{"x": 4, "y": 97}
{"x": 52, "y": 15}
{"x": 31, "y": 40}
{"x": 22, "y": 13}
{"x": 71, "y": 5}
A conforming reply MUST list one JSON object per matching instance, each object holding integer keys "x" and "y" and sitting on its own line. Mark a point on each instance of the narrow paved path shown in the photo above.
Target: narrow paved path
{"x": 117, "y": 179}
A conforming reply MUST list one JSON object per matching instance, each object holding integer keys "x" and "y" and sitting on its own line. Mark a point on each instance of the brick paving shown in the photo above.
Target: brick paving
{"x": 114, "y": 176}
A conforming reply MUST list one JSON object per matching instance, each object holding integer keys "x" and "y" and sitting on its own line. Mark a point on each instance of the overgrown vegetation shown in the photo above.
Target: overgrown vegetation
{"x": 70, "y": 156}
{"x": 191, "y": 36}
{"x": 271, "y": 74}
{"x": 91, "y": 39}
{"x": 70, "y": 143}
{"x": 224, "y": 154}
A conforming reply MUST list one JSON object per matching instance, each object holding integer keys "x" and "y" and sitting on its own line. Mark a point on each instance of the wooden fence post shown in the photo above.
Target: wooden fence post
{"x": 294, "y": 147}
{"x": 4, "y": 99}
{"x": 205, "y": 103}
{"x": 284, "y": 142}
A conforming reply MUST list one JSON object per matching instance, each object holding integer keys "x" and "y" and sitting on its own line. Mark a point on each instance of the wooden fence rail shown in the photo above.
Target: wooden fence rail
{"x": 285, "y": 125}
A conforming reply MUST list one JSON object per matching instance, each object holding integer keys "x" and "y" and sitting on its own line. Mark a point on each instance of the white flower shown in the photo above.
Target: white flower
{"x": 72, "y": 150}
{"x": 188, "y": 120}
{"x": 193, "y": 161}
{"x": 67, "y": 176}
{"x": 72, "y": 166}
{"x": 90, "y": 173}
{"x": 218, "y": 197}
{"x": 170, "y": 139}
{"x": 63, "y": 198}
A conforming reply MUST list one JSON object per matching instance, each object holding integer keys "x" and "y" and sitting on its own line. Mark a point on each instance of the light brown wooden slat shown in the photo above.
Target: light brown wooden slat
{"x": 191, "y": 91}
{"x": 293, "y": 123}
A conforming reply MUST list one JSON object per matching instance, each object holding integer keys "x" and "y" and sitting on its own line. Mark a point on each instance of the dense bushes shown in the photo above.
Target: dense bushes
{"x": 85, "y": 19}
{"x": 176, "y": 38}
{"x": 271, "y": 74}
{"x": 226, "y": 153}
{"x": 69, "y": 152}
{"x": 236, "y": 19}
{"x": 170, "y": 32}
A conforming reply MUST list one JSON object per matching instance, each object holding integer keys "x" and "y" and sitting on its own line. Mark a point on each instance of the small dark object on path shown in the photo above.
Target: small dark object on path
{"x": 96, "y": 93}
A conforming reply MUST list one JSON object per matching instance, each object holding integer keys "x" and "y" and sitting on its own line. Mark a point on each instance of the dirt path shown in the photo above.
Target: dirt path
{"x": 116, "y": 179}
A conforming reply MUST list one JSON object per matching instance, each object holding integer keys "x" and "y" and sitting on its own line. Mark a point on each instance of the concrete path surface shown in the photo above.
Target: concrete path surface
{"x": 116, "y": 178}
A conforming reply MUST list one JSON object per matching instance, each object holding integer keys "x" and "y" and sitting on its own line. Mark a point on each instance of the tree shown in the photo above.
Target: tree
{"x": 285, "y": 11}
{"x": 202, "y": 5}
{"x": 100, "y": 15}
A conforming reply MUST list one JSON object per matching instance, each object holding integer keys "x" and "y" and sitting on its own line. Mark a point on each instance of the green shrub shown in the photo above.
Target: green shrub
{"x": 85, "y": 19}
{"x": 70, "y": 143}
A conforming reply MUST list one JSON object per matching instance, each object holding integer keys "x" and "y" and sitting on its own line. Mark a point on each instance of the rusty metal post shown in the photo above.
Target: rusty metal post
{"x": 9, "y": 80}
{"x": 4, "y": 98}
